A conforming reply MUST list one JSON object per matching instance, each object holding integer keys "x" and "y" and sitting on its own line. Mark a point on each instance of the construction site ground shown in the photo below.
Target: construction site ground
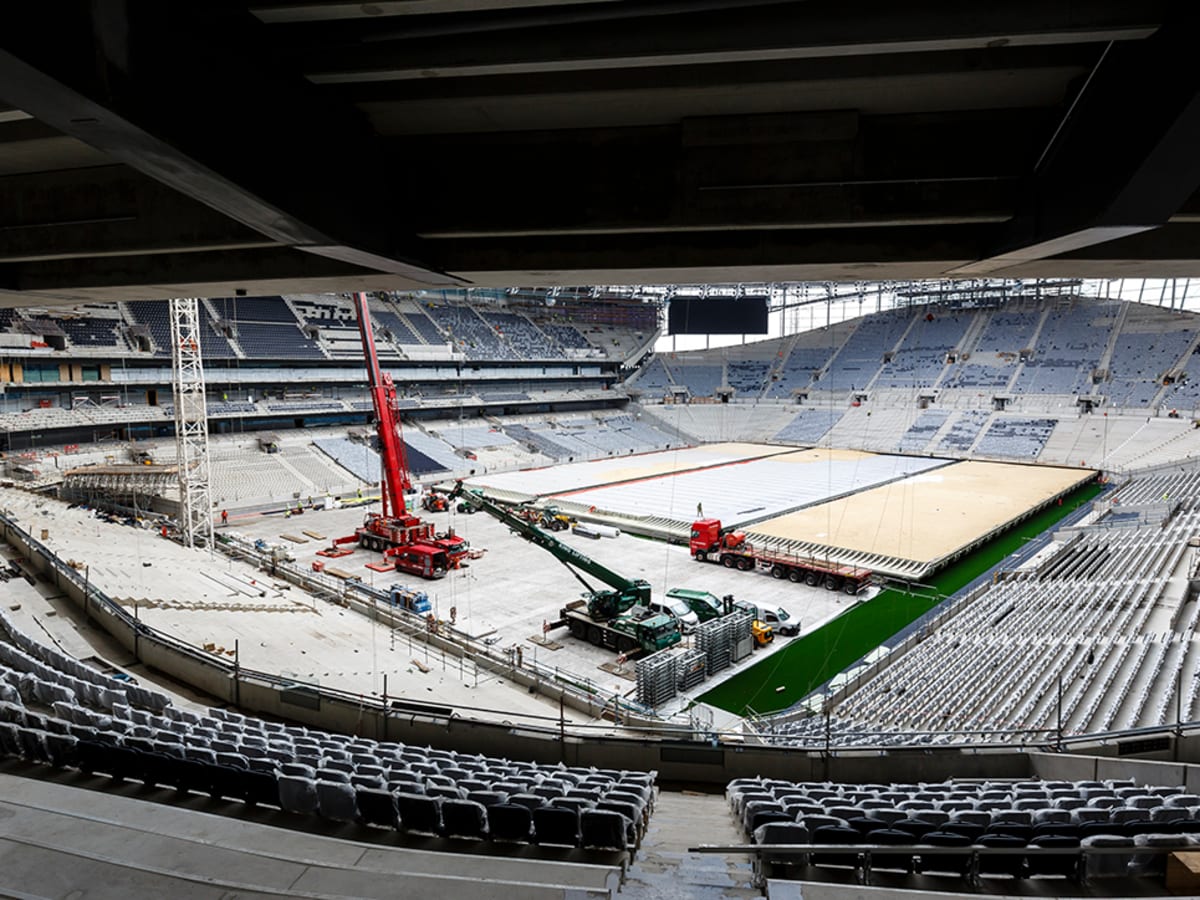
{"x": 500, "y": 600}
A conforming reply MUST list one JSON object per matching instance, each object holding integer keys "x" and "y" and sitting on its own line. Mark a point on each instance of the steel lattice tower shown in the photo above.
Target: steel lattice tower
{"x": 191, "y": 424}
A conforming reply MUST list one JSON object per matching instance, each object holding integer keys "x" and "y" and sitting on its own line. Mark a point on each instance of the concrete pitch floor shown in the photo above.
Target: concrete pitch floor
{"x": 502, "y": 598}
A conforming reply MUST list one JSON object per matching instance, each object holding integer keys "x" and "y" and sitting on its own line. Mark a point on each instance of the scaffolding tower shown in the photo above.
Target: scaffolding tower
{"x": 191, "y": 424}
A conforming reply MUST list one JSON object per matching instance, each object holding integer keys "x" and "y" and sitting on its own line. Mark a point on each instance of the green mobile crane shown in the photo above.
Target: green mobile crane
{"x": 619, "y": 618}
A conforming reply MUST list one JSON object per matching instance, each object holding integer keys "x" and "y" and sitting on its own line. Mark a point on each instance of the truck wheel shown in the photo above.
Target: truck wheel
{"x": 578, "y": 629}
{"x": 795, "y": 576}
{"x": 701, "y": 556}
{"x": 832, "y": 582}
{"x": 812, "y": 579}
{"x": 626, "y": 644}
{"x": 594, "y": 635}
{"x": 728, "y": 561}
{"x": 745, "y": 564}
{"x": 779, "y": 572}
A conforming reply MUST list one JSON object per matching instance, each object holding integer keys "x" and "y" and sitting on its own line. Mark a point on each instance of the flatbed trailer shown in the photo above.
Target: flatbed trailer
{"x": 732, "y": 550}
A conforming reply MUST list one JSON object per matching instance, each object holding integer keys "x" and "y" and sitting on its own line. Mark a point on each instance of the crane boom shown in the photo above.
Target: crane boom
{"x": 626, "y": 592}
{"x": 408, "y": 543}
{"x": 395, "y": 475}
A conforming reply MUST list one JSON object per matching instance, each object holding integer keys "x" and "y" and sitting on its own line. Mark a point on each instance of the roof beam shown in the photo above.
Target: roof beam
{"x": 133, "y": 80}
{"x": 284, "y": 11}
{"x": 781, "y": 31}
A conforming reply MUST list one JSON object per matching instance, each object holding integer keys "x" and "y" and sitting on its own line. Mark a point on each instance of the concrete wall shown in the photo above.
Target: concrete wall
{"x": 1098, "y": 768}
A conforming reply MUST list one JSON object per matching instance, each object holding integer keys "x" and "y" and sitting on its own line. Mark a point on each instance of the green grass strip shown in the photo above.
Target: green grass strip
{"x": 813, "y": 659}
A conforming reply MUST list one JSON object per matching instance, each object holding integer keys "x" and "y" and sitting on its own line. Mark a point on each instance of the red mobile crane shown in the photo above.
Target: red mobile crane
{"x": 407, "y": 542}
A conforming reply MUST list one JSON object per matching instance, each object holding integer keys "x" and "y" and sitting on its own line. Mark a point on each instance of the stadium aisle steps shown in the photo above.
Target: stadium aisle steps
{"x": 663, "y": 867}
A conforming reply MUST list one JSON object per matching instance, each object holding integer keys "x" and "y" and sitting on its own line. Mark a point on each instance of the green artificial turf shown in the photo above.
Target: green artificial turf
{"x": 813, "y": 659}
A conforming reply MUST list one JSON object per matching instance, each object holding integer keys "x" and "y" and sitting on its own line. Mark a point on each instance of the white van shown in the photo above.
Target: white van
{"x": 777, "y": 617}
{"x": 679, "y": 611}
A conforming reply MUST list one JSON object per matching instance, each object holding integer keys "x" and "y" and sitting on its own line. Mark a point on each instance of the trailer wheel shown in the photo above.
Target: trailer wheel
{"x": 850, "y": 588}
{"x": 795, "y": 575}
{"x": 578, "y": 629}
{"x": 832, "y": 582}
{"x": 745, "y": 563}
{"x": 594, "y": 634}
{"x": 729, "y": 561}
{"x": 778, "y": 572}
{"x": 812, "y": 579}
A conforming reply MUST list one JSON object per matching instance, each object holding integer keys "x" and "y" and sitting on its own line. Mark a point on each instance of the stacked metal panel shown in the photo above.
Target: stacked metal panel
{"x": 741, "y": 637}
{"x": 726, "y": 640}
{"x": 691, "y": 668}
{"x": 656, "y": 683}
{"x": 713, "y": 639}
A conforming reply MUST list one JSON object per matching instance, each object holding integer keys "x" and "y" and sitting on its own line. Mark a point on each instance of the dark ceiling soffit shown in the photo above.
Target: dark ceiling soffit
{"x": 1124, "y": 160}
{"x": 41, "y": 90}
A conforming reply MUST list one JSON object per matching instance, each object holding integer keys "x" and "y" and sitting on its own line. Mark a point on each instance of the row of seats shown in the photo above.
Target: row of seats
{"x": 224, "y": 754}
{"x": 973, "y": 817}
{"x": 993, "y": 666}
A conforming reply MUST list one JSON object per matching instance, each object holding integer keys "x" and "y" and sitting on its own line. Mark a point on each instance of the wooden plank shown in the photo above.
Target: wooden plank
{"x": 1183, "y": 873}
{"x": 295, "y": 539}
{"x": 315, "y": 535}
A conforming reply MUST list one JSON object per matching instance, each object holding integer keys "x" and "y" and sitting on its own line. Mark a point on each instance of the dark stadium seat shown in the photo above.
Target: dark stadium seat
{"x": 556, "y": 826}
{"x": 602, "y": 829}
{"x": 464, "y": 819}
{"x": 864, "y": 825}
{"x": 941, "y": 863}
{"x": 419, "y": 813}
{"x": 968, "y": 830}
{"x": 1005, "y": 865}
{"x": 891, "y": 837}
{"x": 914, "y": 827}
{"x": 1065, "y": 865}
{"x": 836, "y": 835}
{"x": 510, "y": 822}
{"x": 377, "y": 807}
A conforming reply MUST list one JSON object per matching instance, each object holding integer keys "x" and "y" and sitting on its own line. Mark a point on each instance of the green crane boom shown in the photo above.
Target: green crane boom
{"x": 625, "y": 593}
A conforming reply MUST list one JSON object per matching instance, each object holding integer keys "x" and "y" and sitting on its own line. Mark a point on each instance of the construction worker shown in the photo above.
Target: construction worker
{"x": 224, "y": 517}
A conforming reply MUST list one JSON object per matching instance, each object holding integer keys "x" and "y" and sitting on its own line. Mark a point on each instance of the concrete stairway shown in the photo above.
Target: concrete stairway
{"x": 664, "y": 870}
